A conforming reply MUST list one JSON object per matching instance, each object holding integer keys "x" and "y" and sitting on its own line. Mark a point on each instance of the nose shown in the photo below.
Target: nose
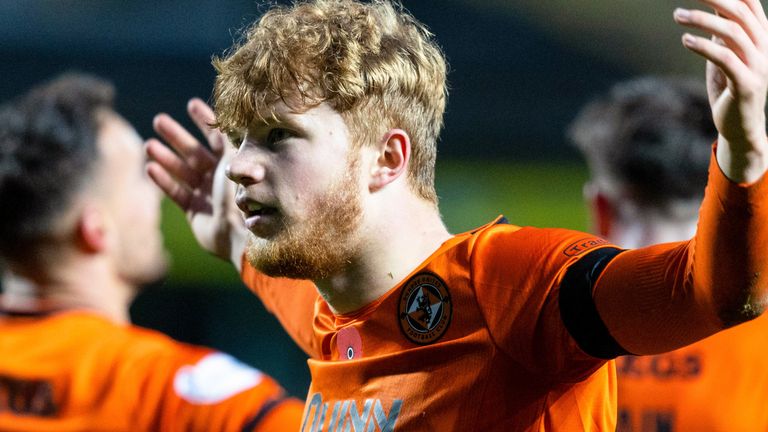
{"x": 244, "y": 170}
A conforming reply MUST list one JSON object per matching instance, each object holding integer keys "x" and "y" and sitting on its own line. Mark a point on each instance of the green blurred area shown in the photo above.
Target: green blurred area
{"x": 189, "y": 263}
{"x": 544, "y": 194}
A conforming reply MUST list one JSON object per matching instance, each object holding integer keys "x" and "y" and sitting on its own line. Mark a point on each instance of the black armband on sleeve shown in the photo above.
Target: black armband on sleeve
{"x": 578, "y": 310}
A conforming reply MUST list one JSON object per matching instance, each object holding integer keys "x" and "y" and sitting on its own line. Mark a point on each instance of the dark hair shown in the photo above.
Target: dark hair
{"x": 652, "y": 135}
{"x": 47, "y": 152}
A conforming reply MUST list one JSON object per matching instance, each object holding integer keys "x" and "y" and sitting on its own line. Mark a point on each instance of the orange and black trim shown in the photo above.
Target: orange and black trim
{"x": 578, "y": 310}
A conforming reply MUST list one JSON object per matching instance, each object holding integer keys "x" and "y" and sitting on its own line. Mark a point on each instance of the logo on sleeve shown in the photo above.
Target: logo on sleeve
{"x": 214, "y": 378}
{"x": 425, "y": 308}
{"x": 583, "y": 245}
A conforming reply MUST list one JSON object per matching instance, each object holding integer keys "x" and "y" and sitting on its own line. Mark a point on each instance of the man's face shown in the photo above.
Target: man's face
{"x": 133, "y": 201}
{"x": 300, "y": 192}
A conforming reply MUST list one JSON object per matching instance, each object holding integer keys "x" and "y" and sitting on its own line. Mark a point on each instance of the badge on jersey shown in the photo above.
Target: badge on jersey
{"x": 425, "y": 308}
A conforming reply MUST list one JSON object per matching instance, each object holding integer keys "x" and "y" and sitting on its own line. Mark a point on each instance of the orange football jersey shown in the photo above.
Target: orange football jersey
{"x": 467, "y": 342}
{"x": 513, "y": 329}
{"x": 77, "y": 371}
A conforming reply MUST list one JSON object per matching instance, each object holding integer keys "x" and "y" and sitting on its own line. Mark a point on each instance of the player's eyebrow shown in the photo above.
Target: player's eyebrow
{"x": 287, "y": 118}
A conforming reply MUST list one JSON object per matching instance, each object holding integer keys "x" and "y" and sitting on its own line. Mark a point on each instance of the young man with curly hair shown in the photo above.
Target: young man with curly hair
{"x": 335, "y": 107}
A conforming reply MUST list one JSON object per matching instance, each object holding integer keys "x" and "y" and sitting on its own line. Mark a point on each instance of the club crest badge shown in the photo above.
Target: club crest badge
{"x": 425, "y": 308}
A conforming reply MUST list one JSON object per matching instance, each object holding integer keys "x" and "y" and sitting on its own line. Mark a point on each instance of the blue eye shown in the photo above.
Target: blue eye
{"x": 278, "y": 134}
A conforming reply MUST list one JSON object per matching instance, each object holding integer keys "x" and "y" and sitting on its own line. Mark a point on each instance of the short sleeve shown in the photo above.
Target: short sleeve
{"x": 517, "y": 274}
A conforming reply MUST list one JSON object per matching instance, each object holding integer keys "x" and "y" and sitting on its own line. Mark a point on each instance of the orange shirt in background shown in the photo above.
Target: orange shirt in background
{"x": 76, "y": 371}
{"x": 719, "y": 384}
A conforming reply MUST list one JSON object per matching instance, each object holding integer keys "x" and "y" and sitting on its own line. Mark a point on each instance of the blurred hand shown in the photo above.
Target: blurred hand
{"x": 193, "y": 177}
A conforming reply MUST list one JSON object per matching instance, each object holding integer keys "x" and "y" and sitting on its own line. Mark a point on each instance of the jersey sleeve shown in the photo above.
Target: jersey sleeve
{"x": 659, "y": 298}
{"x": 291, "y": 301}
{"x": 182, "y": 387}
{"x": 559, "y": 303}
{"x": 517, "y": 275}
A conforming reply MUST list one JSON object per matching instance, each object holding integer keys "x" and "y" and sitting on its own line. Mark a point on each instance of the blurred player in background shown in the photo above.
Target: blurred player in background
{"x": 335, "y": 107}
{"x": 647, "y": 143}
{"x": 79, "y": 234}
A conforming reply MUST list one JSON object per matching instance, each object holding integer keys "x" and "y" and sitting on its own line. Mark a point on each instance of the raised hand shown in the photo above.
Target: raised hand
{"x": 193, "y": 177}
{"x": 737, "y": 80}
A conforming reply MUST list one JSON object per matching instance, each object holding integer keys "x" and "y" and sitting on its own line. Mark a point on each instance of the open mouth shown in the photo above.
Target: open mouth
{"x": 257, "y": 216}
{"x": 252, "y": 208}
{"x": 260, "y": 211}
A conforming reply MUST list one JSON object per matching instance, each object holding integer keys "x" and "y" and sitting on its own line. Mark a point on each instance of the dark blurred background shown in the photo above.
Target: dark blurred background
{"x": 520, "y": 69}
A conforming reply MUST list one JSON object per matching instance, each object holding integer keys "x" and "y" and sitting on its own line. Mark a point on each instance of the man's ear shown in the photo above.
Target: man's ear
{"x": 91, "y": 230}
{"x": 602, "y": 210}
{"x": 394, "y": 153}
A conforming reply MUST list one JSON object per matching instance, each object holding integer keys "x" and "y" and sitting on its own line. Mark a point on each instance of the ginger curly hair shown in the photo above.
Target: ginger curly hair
{"x": 372, "y": 62}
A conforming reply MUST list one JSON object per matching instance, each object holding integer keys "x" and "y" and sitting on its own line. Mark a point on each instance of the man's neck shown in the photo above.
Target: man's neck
{"x": 86, "y": 286}
{"x": 391, "y": 248}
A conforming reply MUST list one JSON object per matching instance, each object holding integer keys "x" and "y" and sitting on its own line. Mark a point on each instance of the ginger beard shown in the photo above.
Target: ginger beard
{"x": 320, "y": 246}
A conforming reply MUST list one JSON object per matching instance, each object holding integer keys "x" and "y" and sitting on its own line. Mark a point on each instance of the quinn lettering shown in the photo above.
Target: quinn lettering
{"x": 344, "y": 416}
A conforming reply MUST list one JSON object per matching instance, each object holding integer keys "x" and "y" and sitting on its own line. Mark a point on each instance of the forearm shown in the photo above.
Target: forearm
{"x": 662, "y": 297}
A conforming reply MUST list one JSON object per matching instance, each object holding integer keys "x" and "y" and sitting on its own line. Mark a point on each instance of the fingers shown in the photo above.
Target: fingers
{"x": 203, "y": 117}
{"x": 162, "y": 162}
{"x": 172, "y": 163}
{"x": 718, "y": 54}
{"x": 186, "y": 145}
{"x": 201, "y": 114}
{"x": 757, "y": 10}
{"x": 172, "y": 188}
{"x": 737, "y": 80}
{"x": 740, "y": 40}
{"x": 750, "y": 18}
{"x": 730, "y": 32}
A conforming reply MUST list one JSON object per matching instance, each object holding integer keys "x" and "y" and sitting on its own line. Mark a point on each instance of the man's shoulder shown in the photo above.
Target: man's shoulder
{"x": 92, "y": 334}
{"x": 526, "y": 256}
{"x": 501, "y": 237}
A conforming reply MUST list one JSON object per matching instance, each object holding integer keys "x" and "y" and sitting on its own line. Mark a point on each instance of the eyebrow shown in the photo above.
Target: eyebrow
{"x": 288, "y": 119}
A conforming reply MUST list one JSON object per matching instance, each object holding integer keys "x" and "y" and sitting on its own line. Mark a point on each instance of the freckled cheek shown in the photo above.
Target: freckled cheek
{"x": 309, "y": 181}
{"x": 301, "y": 199}
{"x": 304, "y": 181}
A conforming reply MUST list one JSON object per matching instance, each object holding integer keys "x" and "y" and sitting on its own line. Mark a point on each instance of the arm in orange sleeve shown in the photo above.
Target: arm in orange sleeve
{"x": 184, "y": 387}
{"x": 662, "y": 297}
{"x": 291, "y": 301}
{"x": 284, "y": 415}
